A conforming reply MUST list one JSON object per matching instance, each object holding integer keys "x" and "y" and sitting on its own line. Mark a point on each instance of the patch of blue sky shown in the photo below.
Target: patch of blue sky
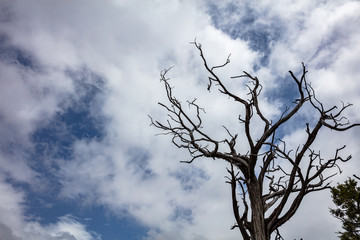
{"x": 14, "y": 55}
{"x": 79, "y": 118}
{"x": 96, "y": 218}
{"x": 287, "y": 93}
{"x": 76, "y": 121}
{"x": 243, "y": 24}
{"x": 260, "y": 36}
{"x": 54, "y": 140}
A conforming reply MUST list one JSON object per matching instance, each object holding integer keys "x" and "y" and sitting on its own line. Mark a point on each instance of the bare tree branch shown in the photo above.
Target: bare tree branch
{"x": 271, "y": 178}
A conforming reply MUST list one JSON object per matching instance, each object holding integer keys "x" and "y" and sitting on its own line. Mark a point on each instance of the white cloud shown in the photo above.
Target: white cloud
{"x": 128, "y": 43}
{"x": 27, "y": 98}
{"x": 67, "y": 228}
{"x": 15, "y": 225}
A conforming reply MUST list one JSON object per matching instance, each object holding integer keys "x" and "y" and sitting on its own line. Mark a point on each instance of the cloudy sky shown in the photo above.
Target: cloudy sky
{"x": 78, "y": 78}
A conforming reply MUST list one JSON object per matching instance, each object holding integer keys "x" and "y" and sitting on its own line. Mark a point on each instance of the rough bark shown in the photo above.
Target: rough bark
{"x": 258, "y": 230}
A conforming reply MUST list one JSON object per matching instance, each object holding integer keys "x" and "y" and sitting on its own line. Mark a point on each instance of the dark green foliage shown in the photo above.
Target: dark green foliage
{"x": 346, "y": 197}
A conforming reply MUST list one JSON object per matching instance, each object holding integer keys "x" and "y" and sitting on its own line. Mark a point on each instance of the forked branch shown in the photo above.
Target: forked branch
{"x": 272, "y": 179}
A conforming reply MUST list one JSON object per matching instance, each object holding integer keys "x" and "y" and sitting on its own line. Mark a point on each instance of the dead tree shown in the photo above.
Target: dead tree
{"x": 269, "y": 182}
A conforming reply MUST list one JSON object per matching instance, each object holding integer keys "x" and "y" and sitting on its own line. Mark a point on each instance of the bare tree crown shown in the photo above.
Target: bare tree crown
{"x": 260, "y": 175}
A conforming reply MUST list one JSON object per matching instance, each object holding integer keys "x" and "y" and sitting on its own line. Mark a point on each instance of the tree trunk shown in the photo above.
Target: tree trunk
{"x": 259, "y": 231}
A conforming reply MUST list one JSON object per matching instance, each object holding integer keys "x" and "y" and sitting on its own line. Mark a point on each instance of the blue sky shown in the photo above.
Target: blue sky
{"x": 78, "y": 159}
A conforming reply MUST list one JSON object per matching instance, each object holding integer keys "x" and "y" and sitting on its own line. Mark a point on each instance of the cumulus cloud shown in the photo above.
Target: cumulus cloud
{"x": 15, "y": 225}
{"x": 101, "y": 61}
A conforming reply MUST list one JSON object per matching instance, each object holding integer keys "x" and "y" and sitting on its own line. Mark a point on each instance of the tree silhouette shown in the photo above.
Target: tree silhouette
{"x": 269, "y": 181}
